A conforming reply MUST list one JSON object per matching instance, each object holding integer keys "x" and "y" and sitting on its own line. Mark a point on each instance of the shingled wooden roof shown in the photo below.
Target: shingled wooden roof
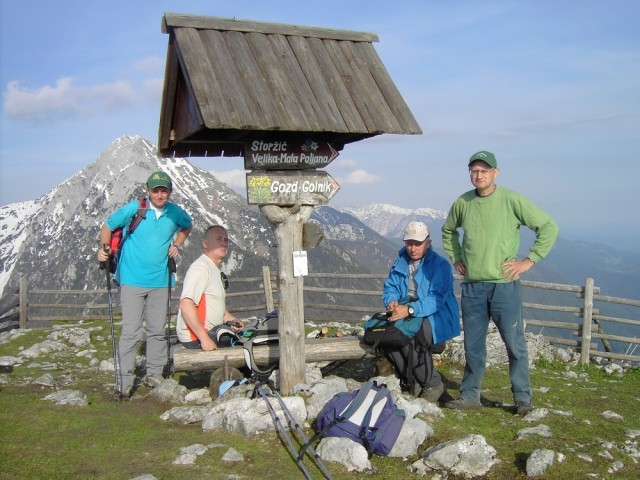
{"x": 228, "y": 82}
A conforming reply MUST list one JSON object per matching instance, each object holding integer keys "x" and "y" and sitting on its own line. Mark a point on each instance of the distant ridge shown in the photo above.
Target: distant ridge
{"x": 391, "y": 221}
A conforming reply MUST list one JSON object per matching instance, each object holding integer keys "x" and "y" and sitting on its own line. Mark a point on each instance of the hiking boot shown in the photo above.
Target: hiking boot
{"x": 462, "y": 404}
{"x": 417, "y": 388}
{"x": 152, "y": 380}
{"x": 433, "y": 394}
{"x": 522, "y": 408}
{"x": 123, "y": 395}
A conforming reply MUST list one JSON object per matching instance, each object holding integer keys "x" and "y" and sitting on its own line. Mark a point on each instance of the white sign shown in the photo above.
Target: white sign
{"x": 300, "y": 266}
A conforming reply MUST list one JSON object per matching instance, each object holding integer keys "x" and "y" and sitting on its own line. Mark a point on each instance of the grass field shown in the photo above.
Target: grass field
{"x": 112, "y": 440}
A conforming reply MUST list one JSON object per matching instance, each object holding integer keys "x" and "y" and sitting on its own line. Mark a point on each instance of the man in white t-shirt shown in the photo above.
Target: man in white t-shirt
{"x": 202, "y": 303}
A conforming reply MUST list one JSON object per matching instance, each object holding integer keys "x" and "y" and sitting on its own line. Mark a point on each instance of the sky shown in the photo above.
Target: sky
{"x": 551, "y": 87}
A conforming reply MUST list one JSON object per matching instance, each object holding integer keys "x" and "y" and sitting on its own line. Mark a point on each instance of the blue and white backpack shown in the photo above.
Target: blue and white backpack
{"x": 368, "y": 416}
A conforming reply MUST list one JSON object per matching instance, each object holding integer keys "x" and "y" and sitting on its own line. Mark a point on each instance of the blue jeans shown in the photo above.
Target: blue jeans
{"x": 503, "y": 303}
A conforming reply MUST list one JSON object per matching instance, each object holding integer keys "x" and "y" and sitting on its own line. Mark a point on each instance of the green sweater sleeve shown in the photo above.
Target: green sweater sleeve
{"x": 450, "y": 234}
{"x": 544, "y": 227}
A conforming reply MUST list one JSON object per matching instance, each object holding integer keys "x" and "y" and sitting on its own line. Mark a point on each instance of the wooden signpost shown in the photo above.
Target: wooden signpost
{"x": 285, "y": 183}
{"x": 287, "y": 155}
{"x": 301, "y": 187}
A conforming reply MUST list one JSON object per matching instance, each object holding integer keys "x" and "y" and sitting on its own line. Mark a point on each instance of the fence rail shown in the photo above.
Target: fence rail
{"x": 574, "y": 319}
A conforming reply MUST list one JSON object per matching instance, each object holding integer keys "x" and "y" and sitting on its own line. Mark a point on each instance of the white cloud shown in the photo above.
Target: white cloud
{"x": 353, "y": 175}
{"x": 235, "y": 179}
{"x": 153, "y": 89}
{"x": 64, "y": 100}
{"x": 343, "y": 163}
{"x": 360, "y": 177}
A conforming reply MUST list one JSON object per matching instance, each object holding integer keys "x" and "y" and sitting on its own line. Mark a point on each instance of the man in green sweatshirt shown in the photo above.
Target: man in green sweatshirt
{"x": 490, "y": 217}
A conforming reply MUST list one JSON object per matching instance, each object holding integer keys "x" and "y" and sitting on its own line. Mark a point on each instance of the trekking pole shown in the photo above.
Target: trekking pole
{"x": 282, "y": 431}
{"x": 172, "y": 267}
{"x": 294, "y": 423}
{"x": 116, "y": 363}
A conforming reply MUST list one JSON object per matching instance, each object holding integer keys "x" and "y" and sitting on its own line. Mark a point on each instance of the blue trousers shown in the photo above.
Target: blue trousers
{"x": 501, "y": 302}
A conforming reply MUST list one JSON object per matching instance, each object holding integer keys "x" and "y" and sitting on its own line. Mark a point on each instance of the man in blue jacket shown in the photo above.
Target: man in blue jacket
{"x": 420, "y": 285}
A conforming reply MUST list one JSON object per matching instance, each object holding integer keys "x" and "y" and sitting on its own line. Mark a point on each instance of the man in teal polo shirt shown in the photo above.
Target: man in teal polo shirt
{"x": 143, "y": 275}
{"x": 490, "y": 217}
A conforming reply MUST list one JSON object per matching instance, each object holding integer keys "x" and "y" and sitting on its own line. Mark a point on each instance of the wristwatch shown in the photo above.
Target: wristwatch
{"x": 411, "y": 310}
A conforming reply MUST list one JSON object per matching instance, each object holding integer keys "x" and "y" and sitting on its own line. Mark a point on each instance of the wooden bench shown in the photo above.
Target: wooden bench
{"x": 316, "y": 349}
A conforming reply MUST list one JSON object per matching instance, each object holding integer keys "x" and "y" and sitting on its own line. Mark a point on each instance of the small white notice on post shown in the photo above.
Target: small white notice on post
{"x": 300, "y": 268}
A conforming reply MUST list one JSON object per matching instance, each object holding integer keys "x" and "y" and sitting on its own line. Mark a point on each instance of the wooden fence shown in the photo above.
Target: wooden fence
{"x": 573, "y": 313}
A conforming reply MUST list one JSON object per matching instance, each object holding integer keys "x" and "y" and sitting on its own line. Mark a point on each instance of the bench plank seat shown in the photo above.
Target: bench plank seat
{"x": 316, "y": 349}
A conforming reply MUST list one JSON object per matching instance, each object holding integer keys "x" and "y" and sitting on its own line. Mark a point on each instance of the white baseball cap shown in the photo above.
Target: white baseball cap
{"x": 417, "y": 231}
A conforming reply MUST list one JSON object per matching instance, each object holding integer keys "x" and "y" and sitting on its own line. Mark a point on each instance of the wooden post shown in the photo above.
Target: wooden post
{"x": 587, "y": 314}
{"x": 23, "y": 300}
{"x": 287, "y": 225}
{"x": 268, "y": 290}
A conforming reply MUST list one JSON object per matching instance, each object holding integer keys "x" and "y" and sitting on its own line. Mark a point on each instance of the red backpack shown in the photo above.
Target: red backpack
{"x": 118, "y": 238}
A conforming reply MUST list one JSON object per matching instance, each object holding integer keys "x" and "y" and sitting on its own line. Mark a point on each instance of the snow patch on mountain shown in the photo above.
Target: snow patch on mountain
{"x": 13, "y": 233}
{"x": 391, "y": 221}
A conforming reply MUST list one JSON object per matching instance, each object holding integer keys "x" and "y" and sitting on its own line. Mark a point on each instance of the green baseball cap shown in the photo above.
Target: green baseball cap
{"x": 486, "y": 157}
{"x": 159, "y": 179}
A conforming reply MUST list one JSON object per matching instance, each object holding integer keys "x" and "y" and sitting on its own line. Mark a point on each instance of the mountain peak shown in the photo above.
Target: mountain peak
{"x": 52, "y": 241}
